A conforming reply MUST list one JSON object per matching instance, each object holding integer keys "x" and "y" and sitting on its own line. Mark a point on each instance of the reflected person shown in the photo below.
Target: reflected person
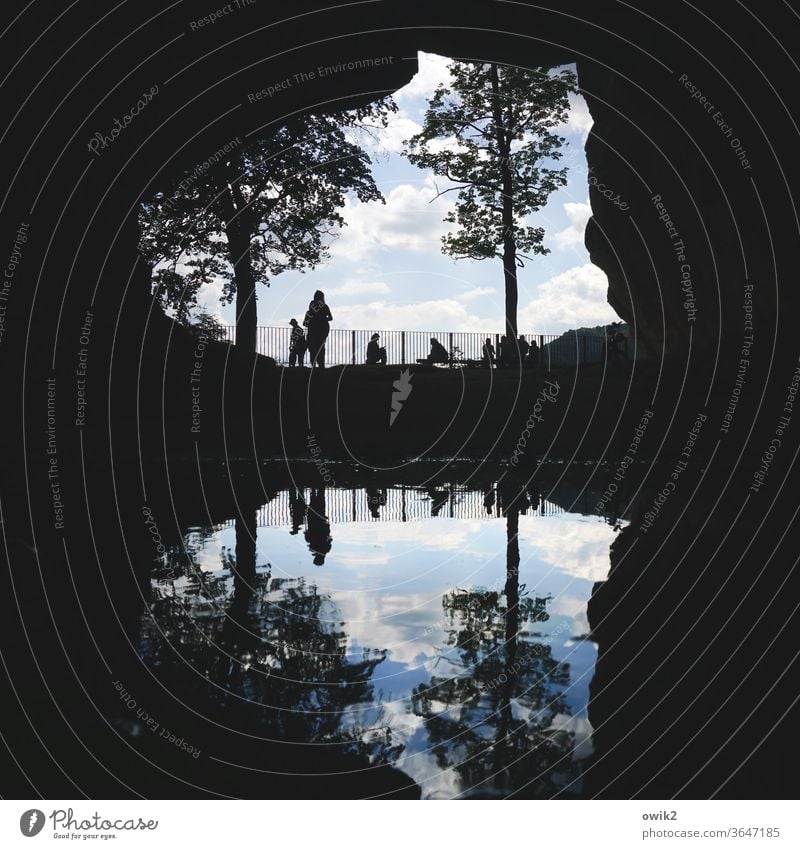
{"x": 318, "y": 528}
{"x": 297, "y": 509}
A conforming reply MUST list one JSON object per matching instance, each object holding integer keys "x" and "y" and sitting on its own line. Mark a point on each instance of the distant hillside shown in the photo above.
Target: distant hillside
{"x": 570, "y": 347}
{"x": 599, "y": 330}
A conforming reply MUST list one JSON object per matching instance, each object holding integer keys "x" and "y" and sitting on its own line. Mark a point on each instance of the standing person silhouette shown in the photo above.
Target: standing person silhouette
{"x": 507, "y": 353}
{"x": 533, "y": 353}
{"x": 614, "y": 342}
{"x": 317, "y": 320}
{"x": 487, "y": 352}
{"x": 524, "y": 349}
{"x": 297, "y": 344}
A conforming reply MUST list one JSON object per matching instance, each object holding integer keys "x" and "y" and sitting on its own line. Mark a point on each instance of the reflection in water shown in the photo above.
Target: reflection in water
{"x": 497, "y": 722}
{"x": 318, "y": 529}
{"x": 297, "y": 509}
{"x": 264, "y": 641}
{"x": 376, "y": 498}
{"x": 472, "y": 690}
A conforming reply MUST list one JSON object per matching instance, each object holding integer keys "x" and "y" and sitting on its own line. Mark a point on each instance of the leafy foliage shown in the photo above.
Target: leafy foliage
{"x": 254, "y": 210}
{"x": 491, "y": 133}
{"x": 203, "y": 324}
{"x": 489, "y": 129}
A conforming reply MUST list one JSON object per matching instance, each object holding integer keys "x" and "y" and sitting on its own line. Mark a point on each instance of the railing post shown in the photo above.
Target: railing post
{"x": 450, "y": 347}
{"x": 403, "y": 361}
{"x": 583, "y": 346}
{"x": 354, "y": 345}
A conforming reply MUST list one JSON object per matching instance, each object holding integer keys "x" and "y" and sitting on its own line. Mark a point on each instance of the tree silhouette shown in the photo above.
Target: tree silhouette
{"x": 256, "y": 209}
{"x": 496, "y": 122}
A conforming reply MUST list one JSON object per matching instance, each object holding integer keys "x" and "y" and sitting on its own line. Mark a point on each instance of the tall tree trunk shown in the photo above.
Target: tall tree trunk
{"x": 246, "y": 305}
{"x": 509, "y": 241}
{"x": 238, "y": 232}
{"x": 510, "y": 274}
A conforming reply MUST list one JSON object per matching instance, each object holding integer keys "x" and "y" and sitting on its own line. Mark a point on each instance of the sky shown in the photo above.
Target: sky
{"x": 386, "y": 270}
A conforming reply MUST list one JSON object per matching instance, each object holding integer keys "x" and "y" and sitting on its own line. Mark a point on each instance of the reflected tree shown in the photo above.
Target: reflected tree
{"x": 260, "y": 653}
{"x": 496, "y": 718}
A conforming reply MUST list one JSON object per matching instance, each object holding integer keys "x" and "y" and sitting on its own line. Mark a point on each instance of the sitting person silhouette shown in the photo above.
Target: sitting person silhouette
{"x": 438, "y": 499}
{"x": 375, "y": 354}
{"x": 438, "y": 353}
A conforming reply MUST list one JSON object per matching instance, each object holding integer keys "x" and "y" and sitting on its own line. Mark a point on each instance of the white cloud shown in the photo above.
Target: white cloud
{"x": 578, "y": 215}
{"x": 432, "y": 72}
{"x": 390, "y": 139}
{"x": 443, "y": 314}
{"x": 411, "y": 219}
{"x": 412, "y": 101}
{"x": 575, "y": 606}
{"x": 208, "y": 295}
{"x": 577, "y": 547}
{"x": 359, "y": 287}
{"x": 574, "y": 298}
{"x": 580, "y": 120}
{"x": 477, "y": 292}
{"x": 208, "y": 299}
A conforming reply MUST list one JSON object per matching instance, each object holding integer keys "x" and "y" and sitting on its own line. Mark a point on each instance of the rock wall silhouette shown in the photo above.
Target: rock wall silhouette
{"x": 69, "y": 236}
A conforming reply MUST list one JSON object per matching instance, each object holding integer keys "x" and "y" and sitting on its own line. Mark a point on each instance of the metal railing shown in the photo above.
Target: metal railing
{"x": 403, "y": 347}
{"x": 394, "y": 504}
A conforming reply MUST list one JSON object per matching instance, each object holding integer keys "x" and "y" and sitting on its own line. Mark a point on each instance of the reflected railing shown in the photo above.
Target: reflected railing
{"x": 395, "y": 504}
